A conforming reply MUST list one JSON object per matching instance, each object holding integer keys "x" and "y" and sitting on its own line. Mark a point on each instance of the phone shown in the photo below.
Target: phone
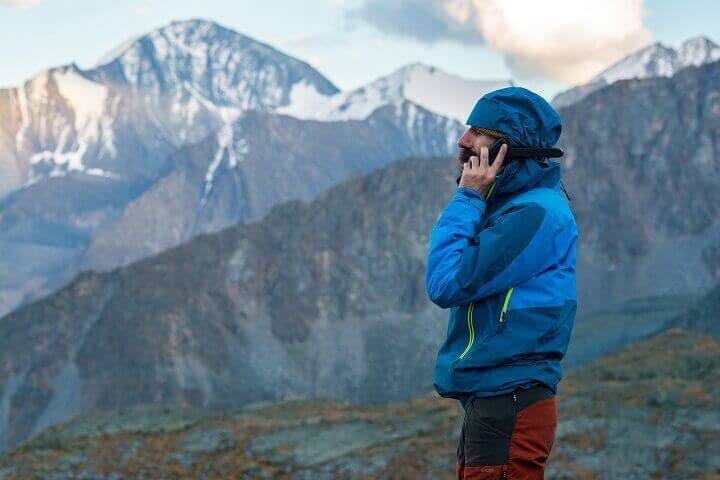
{"x": 492, "y": 153}
{"x": 495, "y": 149}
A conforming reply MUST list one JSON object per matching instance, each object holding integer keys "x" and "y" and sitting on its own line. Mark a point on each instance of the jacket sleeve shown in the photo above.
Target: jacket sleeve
{"x": 466, "y": 263}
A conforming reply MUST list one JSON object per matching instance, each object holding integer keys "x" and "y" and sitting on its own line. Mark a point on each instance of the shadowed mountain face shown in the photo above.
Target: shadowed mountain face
{"x": 643, "y": 167}
{"x": 305, "y": 302}
{"x": 650, "y": 411}
{"x": 260, "y": 161}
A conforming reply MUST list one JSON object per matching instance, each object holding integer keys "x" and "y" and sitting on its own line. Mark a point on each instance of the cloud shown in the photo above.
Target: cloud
{"x": 425, "y": 20}
{"x": 19, "y": 3}
{"x": 564, "y": 40}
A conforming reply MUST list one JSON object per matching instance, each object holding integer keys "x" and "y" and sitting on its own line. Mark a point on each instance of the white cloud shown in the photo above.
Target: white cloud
{"x": 565, "y": 40}
{"x": 19, "y": 3}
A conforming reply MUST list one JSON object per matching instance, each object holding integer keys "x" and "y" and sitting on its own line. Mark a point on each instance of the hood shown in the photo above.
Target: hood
{"x": 528, "y": 120}
{"x": 521, "y": 175}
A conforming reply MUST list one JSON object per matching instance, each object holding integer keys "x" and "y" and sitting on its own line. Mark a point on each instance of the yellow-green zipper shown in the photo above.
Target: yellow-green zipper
{"x": 471, "y": 329}
{"x": 492, "y": 187}
{"x": 503, "y": 312}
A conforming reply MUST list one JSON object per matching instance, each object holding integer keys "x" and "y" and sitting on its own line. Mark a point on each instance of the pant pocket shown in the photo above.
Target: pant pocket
{"x": 485, "y": 472}
{"x": 532, "y": 439}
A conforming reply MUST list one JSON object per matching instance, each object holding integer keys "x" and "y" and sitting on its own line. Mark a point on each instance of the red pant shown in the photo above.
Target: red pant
{"x": 508, "y": 436}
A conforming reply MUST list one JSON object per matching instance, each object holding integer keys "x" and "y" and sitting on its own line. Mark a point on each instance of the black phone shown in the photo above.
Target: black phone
{"x": 492, "y": 153}
{"x": 495, "y": 149}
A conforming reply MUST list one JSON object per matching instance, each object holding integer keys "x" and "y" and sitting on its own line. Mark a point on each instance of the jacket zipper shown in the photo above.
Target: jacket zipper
{"x": 471, "y": 331}
{"x": 503, "y": 312}
{"x": 471, "y": 326}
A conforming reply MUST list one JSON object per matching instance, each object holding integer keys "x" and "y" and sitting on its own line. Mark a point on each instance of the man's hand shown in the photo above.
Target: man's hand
{"x": 478, "y": 174}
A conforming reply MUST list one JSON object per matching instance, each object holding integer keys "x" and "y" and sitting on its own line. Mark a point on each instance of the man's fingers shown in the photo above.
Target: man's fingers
{"x": 484, "y": 157}
{"x": 474, "y": 161}
{"x": 499, "y": 158}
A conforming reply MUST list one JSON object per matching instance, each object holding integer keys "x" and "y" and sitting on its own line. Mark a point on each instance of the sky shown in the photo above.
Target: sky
{"x": 546, "y": 46}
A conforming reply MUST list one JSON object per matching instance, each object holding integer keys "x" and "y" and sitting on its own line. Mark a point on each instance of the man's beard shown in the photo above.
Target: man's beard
{"x": 464, "y": 156}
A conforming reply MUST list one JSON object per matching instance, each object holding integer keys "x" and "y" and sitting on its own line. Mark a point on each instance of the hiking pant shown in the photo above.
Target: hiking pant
{"x": 507, "y": 436}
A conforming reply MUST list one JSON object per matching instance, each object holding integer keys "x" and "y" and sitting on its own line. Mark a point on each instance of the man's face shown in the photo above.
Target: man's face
{"x": 470, "y": 144}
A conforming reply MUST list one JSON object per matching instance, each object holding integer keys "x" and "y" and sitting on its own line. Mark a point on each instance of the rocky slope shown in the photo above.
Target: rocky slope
{"x": 307, "y": 301}
{"x": 260, "y": 161}
{"x": 650, "y": 411}
{"x": 642, "y": 165}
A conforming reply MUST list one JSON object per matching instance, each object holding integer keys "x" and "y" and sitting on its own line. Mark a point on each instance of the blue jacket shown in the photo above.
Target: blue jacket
{"x": 505, "y": 266}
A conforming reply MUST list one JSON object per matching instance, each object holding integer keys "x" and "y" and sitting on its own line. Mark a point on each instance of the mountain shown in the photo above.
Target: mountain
{"x": 183, "y": 81}
{"x": 333, "y": 290}
{"x": 198, "y": 71}
{"x": 641, "y": 168}
{"x": 648, "y": 411}
{"x": 302, "y": 302}
{"x": 655, "y": 60}
{"x": 424, "y": 85}
{"x": 259, "y": 161}
{"x": 82, "y": 150}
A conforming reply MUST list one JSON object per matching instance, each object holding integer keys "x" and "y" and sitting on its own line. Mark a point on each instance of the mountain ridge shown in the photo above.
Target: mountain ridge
{"x": 654, "y": 60}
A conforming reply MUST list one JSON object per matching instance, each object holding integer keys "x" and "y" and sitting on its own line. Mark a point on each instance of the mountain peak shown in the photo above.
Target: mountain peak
{"x": 697, "y": 51}
{"x": 654, "y": 60}
{"x": 440, "y": 92}
{"x": 698, "y": 40}
{"x": 658, "y": 60}
{"x": 201, "y": 60}
{"x": 179, "y": 33}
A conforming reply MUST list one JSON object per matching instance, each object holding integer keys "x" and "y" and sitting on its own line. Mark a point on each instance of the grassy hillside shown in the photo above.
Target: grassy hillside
{"x": 649, "y": 411}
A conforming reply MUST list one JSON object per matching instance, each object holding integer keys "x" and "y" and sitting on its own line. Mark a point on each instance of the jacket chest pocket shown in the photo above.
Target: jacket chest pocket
{"x": 502, "y": 317}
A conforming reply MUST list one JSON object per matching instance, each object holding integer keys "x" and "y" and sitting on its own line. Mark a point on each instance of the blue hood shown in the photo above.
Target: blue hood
{"x": 525, "y": 117}
{"x": 528, "y": 120}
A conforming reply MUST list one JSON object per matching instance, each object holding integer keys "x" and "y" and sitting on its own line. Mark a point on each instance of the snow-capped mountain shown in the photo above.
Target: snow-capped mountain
{"x": 202, "y": 60}
{"x": 655, "y": 60}
{"x": 658, "y": 60}
{"x": 435, "y": 90}
{"x": 198, "y": 69}
{"x": 181, "y": 82}
{"x": 79, "y": 147}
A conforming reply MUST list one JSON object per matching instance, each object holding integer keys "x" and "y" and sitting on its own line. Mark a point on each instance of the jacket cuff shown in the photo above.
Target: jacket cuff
{"x": 472, "y": 197}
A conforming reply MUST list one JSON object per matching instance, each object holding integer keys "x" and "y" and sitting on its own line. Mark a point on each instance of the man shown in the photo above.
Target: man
{"x": 502, "y": 259}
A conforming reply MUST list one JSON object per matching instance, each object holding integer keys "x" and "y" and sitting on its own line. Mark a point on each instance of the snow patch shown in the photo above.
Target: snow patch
{"x": 227, "y": 147}
{"x": 62, "y": 161}
{"x": 429, "y": 87}
{"x": 305, "y": 101}
{"x": 86, "y": 98}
